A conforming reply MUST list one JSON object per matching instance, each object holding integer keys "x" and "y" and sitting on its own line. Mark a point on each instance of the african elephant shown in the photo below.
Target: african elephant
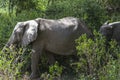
{"x": 54, "y": 36}
{"x": 111, "y": 31}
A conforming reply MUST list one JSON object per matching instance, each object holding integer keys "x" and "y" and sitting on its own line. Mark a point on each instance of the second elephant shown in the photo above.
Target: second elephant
{"x": 111, "y": 31}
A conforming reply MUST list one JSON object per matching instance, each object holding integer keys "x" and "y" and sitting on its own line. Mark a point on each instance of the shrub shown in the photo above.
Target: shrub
{"x": 93, "y": 13}
{"x": 13, "y": 65}
{"x": 55, "y": 72}
{"x": 94, "y": 59}
{"x": 6, "y": 26}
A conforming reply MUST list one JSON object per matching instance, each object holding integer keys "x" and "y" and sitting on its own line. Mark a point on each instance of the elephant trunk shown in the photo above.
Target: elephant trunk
{"x": 5, "y": 48}
{"x": 7, "y": 45}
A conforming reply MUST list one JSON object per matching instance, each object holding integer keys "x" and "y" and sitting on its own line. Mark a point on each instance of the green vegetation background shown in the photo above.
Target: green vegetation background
{"x": 92, "y": 63}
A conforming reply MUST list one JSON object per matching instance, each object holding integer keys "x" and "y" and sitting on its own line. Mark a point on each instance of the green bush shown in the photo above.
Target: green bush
{"x": 13, "y": 64}
{"x": 93, "y": 13}
{"x": 6, "y": 27}
{"x": 55, "y": 72}
{"x": 95, "y": 62}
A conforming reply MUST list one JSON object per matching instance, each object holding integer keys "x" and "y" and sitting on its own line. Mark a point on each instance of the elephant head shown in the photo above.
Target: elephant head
{"x": 111, "y": 31}
{"x": 106, "y": 30}
{"x": 24, "y": 33}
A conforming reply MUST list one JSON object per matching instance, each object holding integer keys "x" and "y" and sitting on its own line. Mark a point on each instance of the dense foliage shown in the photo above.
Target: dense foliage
{"x": 93, "y": 61}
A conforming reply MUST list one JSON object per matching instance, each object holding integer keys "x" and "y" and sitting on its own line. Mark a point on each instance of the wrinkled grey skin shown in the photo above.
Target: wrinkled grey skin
{"x": 54, "y": 36}
{"x": 111, "y": 31}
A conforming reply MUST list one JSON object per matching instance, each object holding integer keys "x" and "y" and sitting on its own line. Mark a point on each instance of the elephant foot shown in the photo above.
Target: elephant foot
{"x": 34, "y": 76}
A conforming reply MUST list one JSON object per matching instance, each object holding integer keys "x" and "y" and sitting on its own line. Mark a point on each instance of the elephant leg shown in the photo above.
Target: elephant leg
{"x": 50, "y": 57}
{"x": 35, "y": 64}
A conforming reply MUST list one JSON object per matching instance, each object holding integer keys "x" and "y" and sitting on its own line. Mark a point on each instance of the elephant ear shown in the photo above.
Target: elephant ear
{"x": 30, "y": 32}
{"x": 18, "y": 31}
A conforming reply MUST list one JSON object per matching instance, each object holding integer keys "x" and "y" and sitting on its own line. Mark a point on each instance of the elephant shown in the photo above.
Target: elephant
{"x": 56, "y": 36}
{"x": 111, "y": 31}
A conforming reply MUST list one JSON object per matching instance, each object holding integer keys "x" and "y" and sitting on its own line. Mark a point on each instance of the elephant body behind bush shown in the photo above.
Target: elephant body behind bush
{"x": 54, "y": 36}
